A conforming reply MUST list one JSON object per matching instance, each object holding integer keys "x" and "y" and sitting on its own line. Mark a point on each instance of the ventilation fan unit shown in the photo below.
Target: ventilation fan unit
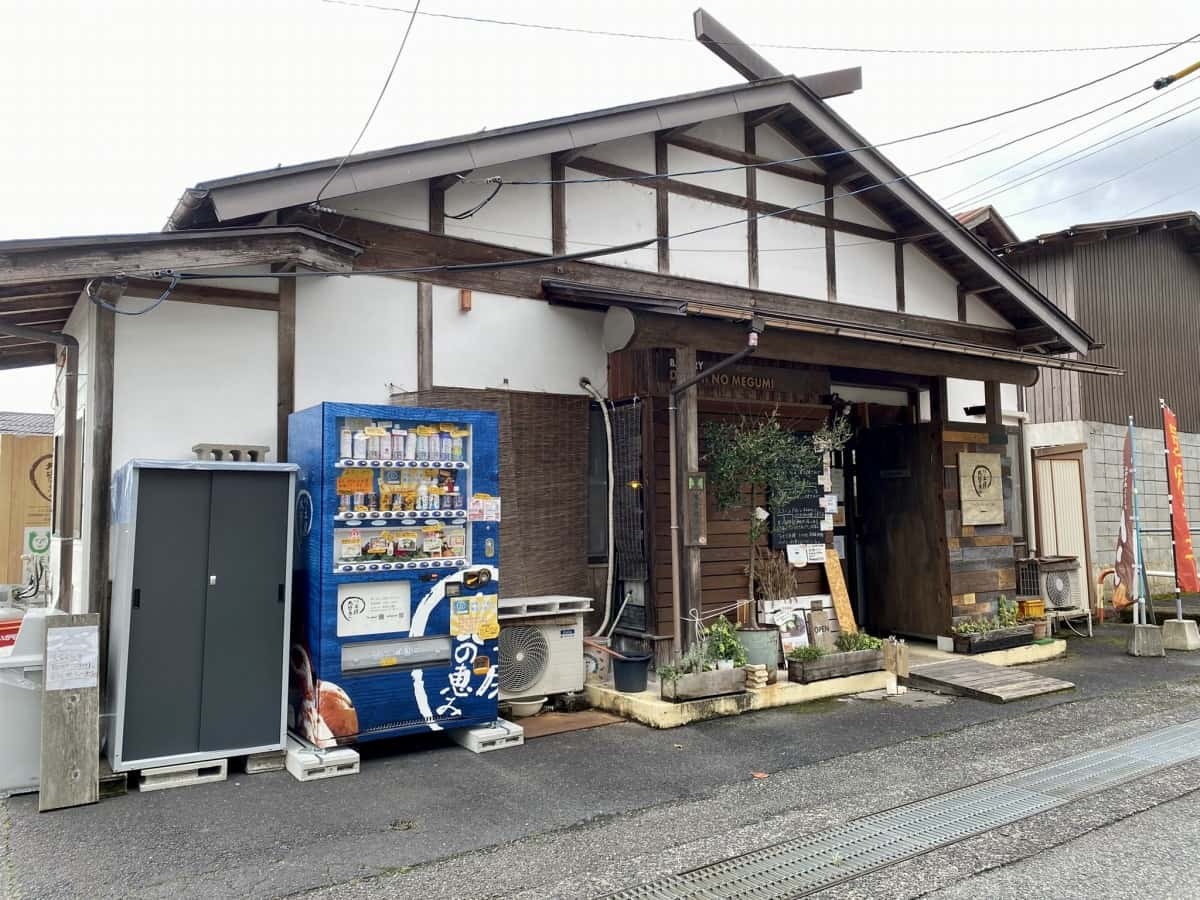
{"x": 1056, "y": 579}
{"x": 541, "y": 657}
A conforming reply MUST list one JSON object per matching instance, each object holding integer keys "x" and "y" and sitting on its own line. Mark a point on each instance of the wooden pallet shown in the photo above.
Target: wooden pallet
{"x": 983, "y": 681}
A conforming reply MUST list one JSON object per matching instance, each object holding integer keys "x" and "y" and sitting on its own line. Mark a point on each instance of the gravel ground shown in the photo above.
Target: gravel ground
{"x": 576, "y": 815}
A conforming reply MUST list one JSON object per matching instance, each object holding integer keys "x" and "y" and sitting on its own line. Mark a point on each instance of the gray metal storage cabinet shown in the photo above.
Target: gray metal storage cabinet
{"x": 200, "y": 611}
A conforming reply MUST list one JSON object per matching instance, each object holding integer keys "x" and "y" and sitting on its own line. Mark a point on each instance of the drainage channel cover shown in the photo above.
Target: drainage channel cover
{"x": 804, "y": 865}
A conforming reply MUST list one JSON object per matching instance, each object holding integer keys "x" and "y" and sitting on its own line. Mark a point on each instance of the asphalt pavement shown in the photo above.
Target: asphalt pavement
{"x": 579, "y": 814}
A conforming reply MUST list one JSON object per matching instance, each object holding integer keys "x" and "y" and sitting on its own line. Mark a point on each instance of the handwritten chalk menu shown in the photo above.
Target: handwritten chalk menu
{"x": 798, "y": 522}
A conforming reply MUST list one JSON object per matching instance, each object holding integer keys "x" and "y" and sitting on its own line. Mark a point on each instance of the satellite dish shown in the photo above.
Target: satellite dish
{"x": 619, "y": 326}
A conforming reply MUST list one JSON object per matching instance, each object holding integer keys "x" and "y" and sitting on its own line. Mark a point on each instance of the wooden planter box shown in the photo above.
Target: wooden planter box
{"x": 704, "y": 684}
{"x": 1000, "y": 639}
{"x": 835, "y": 665}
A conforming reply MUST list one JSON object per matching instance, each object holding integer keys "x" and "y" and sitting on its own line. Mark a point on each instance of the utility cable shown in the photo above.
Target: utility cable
{"x": 1065, "y": 140}
{"x": 175, "y": 277}
{"x": 597, "y": 32}
{"x": 1170, "y": 196}
{"x": 383, "y": 90}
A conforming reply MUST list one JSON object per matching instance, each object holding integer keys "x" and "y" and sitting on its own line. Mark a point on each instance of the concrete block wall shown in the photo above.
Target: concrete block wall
{"x": 1103, "y": 471}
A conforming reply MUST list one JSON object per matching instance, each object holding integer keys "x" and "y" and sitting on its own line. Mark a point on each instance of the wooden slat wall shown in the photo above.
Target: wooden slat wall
{"x": 724, "y": 579}
{"x": 1056, "y": 396}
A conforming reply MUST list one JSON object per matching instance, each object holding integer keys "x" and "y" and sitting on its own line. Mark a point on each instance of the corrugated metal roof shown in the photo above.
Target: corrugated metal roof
{"x": 1188, "y": 221}
{"x": 26, "y": 423}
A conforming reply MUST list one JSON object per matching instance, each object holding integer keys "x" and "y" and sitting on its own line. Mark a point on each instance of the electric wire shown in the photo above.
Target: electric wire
{"x": 1066, "y": 140}
{"x": 1171, "y": 196}
{"x": 89, "y": 289}
{"x": 379, "y": 99}
{"x": 597, "y": 32}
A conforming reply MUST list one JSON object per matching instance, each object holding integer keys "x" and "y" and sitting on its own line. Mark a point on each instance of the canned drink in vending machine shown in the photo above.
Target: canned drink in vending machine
{"x": 345, "y": 503}
{"x": 447, "y": 445}
{"x": 410, "y": 445}
{"x": 346, "y": 446}
{"x": 398, "y": 443}
{"x": 360, "y": 501}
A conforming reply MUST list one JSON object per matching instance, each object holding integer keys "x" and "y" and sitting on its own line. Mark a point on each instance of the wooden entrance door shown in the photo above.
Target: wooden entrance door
{"x": 1060, "y": 509}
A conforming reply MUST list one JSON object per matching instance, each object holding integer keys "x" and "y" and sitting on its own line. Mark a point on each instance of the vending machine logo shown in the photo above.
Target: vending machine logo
{"x": 304, "y": 513}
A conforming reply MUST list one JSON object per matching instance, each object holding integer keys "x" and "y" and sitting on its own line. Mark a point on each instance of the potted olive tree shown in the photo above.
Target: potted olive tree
{"x": 746, "y": 461}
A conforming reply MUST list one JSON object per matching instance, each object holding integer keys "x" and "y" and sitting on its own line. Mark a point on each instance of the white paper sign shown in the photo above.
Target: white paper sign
{"x": 796, "y": 555}
{"x": 72, "y": 658}
{"x": 816, "y": 553}
{"x": 827, "y": 523}
{"x": 379, "y": 607}
{"x": 829, "y": 503}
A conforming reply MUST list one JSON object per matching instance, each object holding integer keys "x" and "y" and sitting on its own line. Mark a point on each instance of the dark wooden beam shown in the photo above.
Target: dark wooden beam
{"x": 671, "y": 134}
{"x": 39, "y": 291}
{"x": 60, "y": 261}
{"x": 188, "y": 292}
{"x": 662, "y": 201}
{"x": 285, "y": 361}
{"x": 750, "y": 65}
{"x": 900, "y": 299}
{"x": 962, "y": 303}
{"x": 993, "y": 414}
{"x": 394, "y": 246}
{"x": 763, "y": 116}
{"x": 823, "y": 350}
{"x": 1035, "y": 336}
{"x": 709, "y": 148}
{"x": 734, "y": 201}
{"x": 38, "y": 318}
{"x": 21, "y": 359}
{"x": 46, "y": 302}
{"x": 750, "y": 141}
{"x": 558, "y": 204}
{"x": 939, "y": 401}
{"x": 445, "y": 182}
{"x": 830, "y": 249}
{"x": 437, "y": 207}
{"x": 424, "y": 336}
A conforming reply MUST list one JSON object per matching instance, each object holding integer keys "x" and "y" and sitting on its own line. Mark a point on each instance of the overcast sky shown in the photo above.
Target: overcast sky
{"x": 112, "y": 108}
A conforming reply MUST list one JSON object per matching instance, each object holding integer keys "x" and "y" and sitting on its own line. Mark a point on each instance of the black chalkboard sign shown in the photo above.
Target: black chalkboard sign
{"x": 798, "y": 522}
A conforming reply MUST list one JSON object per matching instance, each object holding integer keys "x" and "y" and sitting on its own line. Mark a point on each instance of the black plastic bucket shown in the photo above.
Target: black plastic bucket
{"x": 629, "y": 674}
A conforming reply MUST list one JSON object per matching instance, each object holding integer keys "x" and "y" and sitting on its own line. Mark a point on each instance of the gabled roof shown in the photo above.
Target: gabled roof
{"x": 988, "y": 225}
{"x": 1186, "y": 222}
{"x": 810, "y": 123}
{"x": 26, "y": 423}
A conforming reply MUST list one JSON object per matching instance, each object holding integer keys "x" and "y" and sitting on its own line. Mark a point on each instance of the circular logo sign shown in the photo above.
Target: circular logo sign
{"x": 981, "y": 480}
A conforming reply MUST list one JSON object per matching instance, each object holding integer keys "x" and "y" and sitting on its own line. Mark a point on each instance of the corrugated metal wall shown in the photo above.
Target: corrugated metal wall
{"x": 1141, "y": 297}
{"x": 1056, "y": 396}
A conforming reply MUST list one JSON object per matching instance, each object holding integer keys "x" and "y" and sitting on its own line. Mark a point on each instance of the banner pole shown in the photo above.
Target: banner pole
{"x": 1139, "y": 610}
{"x": 1162, "y": 405}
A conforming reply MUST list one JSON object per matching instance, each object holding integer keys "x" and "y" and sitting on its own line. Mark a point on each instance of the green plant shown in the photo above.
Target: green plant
{"x": 669, "y": 673}
{"x": 722, "y": 642}
{"x": 1007, "y": 612}
{"x": 975, "y": 626}
{"x": 810, "y": 653}
{"x": 746, "y": 460}
{"x": 848, "y": 641}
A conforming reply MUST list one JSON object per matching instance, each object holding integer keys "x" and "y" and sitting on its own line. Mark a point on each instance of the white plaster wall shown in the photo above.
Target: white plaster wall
{"x": 772, "y": 145}
{"x": 732, "y": 181}
{"x": 516, "y": 343}
{"x": 188, "y": 373}
{"x": 728, "y": 131}
{"x": 979, "y": 313}
{"x": 791, "y": 258}
{"x": 852, "y": 210}
{"x": 962, "y": 393}
{"x": 522, "y": 210}
{"x": 609, "y": 214}
{"x": 354, "y": 337}
{"x": 928, "y": 289}
{"x": 718, "y": 255}
{"x": 635, "y": 152}
{"x": 789, "y": 192}
{"x": 266, "y": 283}
{"x": 403, "y": 204}
{"x": 866, "y": 272}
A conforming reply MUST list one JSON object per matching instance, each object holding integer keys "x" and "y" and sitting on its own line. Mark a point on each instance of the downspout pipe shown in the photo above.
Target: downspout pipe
{"x": 756, "y": 327}
{"x": 586, "y": 384}
{"x": 70, "y": 447}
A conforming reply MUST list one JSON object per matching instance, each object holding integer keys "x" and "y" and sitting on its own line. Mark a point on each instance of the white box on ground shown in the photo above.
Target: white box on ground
{"x": 21, "y": 670}
{"x": 497, "y": 736}
{"x": 309, "y": 763}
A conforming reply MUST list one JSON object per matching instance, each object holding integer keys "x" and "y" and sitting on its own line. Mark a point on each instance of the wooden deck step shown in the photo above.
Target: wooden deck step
{"x": 983, "y": 681}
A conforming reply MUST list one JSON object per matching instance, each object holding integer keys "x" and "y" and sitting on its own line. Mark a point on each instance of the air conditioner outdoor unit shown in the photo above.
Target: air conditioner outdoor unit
{"x": 541, "y": 657}
{"x": 1056, "y": 579}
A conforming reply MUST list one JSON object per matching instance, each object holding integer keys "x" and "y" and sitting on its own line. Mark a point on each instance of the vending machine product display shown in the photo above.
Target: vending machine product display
{"x": 396, "y": 617}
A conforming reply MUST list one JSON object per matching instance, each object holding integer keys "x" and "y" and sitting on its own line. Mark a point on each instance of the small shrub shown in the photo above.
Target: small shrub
{"x": 858, "y": 640}
{"x": 810, "y": 653}
{"x": 723, "y": 643}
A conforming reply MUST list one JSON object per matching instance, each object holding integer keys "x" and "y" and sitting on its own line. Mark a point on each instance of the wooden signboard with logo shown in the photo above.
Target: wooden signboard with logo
{"x": 26, "y": 463}
{"x": 981, "y": 488}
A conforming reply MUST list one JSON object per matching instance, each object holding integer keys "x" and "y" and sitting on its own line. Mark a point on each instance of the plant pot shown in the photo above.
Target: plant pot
{"x": 699, "y": 685}
{"x": 629, "y": 673}
{"x": 835, "y": 665}
{"x": 762, "y": 648}
{"x": 723, "y": 664}
{"x": 1040, "y": 629}
{"x": 999, "y": 639}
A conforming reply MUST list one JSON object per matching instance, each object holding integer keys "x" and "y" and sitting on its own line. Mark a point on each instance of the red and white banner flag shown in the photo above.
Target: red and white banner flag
{"x": 1185, "y": 556}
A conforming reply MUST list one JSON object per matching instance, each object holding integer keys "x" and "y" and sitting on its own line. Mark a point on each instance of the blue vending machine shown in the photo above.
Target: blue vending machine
{"x": 397, "y": 528}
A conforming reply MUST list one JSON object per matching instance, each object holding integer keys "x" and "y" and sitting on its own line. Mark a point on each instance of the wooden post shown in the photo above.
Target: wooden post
{"x": 991, "y": 404}
{"x": 939, "y": 399}
{"x": 662, "y": 203}
{"x": 750, "y": 141}
{"x": 830, "y": 248}
{"x": 285, "y": 358}
{"x": 424, "y": 336}
{"x": 687, "y": 448}
{"x": 70, "y": 769}
{"x": 437, "y": 207}
{"x": 558, "y": 205}
{"x": 900, "y": 301}
{"x": 100, "y": 412}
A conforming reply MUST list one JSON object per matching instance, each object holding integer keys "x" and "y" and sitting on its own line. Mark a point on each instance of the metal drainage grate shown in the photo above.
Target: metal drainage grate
{"x": 804, "y": 865}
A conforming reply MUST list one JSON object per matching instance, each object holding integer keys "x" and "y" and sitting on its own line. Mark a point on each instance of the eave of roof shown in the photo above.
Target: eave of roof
{"x": 1115, "y": 228}
{"x": 257, "y": 193}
